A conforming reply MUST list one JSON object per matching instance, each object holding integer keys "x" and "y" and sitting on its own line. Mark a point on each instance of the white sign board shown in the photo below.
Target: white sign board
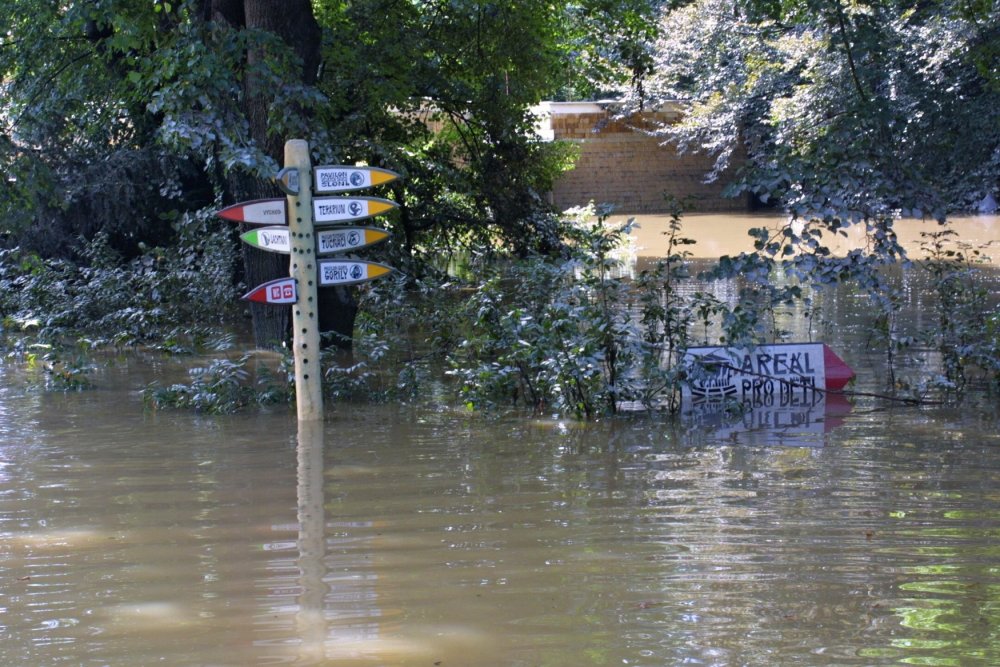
{"x": 349, "y": 271}
{"x": 346, "y": 209}
{"x": 788, "y": 371}
{"x": 339, "y": 178}
{"x": 329, "y": 241}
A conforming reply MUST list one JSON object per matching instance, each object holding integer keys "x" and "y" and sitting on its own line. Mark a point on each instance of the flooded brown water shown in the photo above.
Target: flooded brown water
{"x": 726, "y": 234}
{"x": 416, "y": 536}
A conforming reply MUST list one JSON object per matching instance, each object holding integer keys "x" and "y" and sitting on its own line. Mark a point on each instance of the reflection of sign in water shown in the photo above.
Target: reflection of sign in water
{"x": 764, "y": 372}
{"x": 774, "y": 419}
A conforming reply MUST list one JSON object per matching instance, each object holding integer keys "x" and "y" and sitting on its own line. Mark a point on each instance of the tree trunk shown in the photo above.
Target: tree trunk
{"x": 294, "y": 23}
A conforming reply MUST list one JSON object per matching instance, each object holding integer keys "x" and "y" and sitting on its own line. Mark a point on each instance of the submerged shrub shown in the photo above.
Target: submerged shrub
{"x": 965, "y": 333}
{"x": 223, "y": 387}
{"x": 563, "y": 335}
{"x": 123, "y": 302}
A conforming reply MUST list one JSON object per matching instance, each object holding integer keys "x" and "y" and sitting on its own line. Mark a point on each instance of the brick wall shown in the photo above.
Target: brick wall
{"x": 623, "y": 166}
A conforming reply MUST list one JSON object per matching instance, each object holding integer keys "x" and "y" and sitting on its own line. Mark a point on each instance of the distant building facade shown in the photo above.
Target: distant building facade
{"x": 621, "y": 165}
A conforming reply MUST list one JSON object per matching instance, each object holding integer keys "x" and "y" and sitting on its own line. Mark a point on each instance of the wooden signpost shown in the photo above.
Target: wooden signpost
{"x": 291, "y": 229}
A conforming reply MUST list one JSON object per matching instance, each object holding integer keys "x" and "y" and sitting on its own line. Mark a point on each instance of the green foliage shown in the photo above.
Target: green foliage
{"x": 225, "y": 386}
{"x": 846, "y": 113}
{"x": 562, "y": 335}
{"x": 114, "y": 112}
{"x": 842, "y": 115}
{"x": 60, "y": 371}
{"x": 965, "y": 334}
{"x": 155, "y": 297}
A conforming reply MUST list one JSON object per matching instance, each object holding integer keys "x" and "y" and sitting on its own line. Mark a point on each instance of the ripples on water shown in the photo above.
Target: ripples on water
{"x": 415, "y": 538}
{"x": 405, "y": 536}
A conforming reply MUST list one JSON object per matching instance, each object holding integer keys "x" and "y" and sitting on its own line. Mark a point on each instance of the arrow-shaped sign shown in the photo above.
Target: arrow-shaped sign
{"x": 274, "y": 239}
{"x": 349, "y": 271}
{"x": 340, "y": 178}
{"x": 257, "y": 212}
{"x": 278, "y": 291}
{"x": 346, "y": 209}
{"x": 340, "y": 239}
{"x": 325, "y": 209}
{"x": 328, "y": 241}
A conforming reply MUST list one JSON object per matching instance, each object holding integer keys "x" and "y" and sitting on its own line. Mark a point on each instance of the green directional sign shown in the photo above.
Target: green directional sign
{"x": 274, "y": 239}
{"x": 328, "y": 241}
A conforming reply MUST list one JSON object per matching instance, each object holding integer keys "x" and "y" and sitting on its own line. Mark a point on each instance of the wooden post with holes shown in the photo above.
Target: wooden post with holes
{"x": 302, "y": 267}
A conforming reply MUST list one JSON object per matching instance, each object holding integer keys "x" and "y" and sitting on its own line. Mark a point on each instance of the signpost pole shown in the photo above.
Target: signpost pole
{"x": 305, "y": 320}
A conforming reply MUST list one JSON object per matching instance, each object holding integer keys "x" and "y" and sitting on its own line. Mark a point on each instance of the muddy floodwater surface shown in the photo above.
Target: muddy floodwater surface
{"x": 866, "y": 533}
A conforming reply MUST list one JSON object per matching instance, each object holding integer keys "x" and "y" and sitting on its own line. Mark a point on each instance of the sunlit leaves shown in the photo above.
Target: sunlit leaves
{"x": 845, "y": 111}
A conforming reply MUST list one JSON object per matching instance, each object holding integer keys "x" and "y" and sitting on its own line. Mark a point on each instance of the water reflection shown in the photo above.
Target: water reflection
{"x": 815, "y": 534}
{"x": 311, "y": 615}
{"x": 407, "y": 537}
{"x": 800, "y": 419}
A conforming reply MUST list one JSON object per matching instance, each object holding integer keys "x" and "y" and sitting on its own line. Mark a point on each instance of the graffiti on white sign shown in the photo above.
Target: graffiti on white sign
{"x": 782, "y": 370}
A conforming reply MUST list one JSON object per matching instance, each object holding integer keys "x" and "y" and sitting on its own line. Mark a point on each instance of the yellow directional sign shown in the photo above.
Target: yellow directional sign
{"x": 347, "y": 209}
{"x": 349, "y": 271}
{"x": 342, "y": 178}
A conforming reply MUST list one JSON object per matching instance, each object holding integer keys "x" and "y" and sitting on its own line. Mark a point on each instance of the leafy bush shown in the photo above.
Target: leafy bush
{"x": 223, "y": 387}
{"x": 114, "y": 301}
{"x": 965, "y": 334}
{"x": 575, "y": 335}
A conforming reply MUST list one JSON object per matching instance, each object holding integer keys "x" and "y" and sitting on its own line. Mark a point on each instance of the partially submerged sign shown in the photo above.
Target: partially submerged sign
{"x": 256, "y": 212}
{"x": 347, "y": 209}
{"x": 328, "y": 241}
{"x": 341, "y": 178}
{"x": 349, "y": 271}
{"x": 789, "y": 371}
{"x": 280, "y": 291}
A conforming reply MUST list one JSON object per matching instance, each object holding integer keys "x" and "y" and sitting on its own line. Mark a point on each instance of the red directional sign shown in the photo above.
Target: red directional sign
{"x": 280, "y": 291}
{"x": 257, "y": 212}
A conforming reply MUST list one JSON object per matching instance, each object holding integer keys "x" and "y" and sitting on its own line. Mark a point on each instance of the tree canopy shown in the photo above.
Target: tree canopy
{"x": 845, "y": 111}
{"x": 114, "y": 111}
